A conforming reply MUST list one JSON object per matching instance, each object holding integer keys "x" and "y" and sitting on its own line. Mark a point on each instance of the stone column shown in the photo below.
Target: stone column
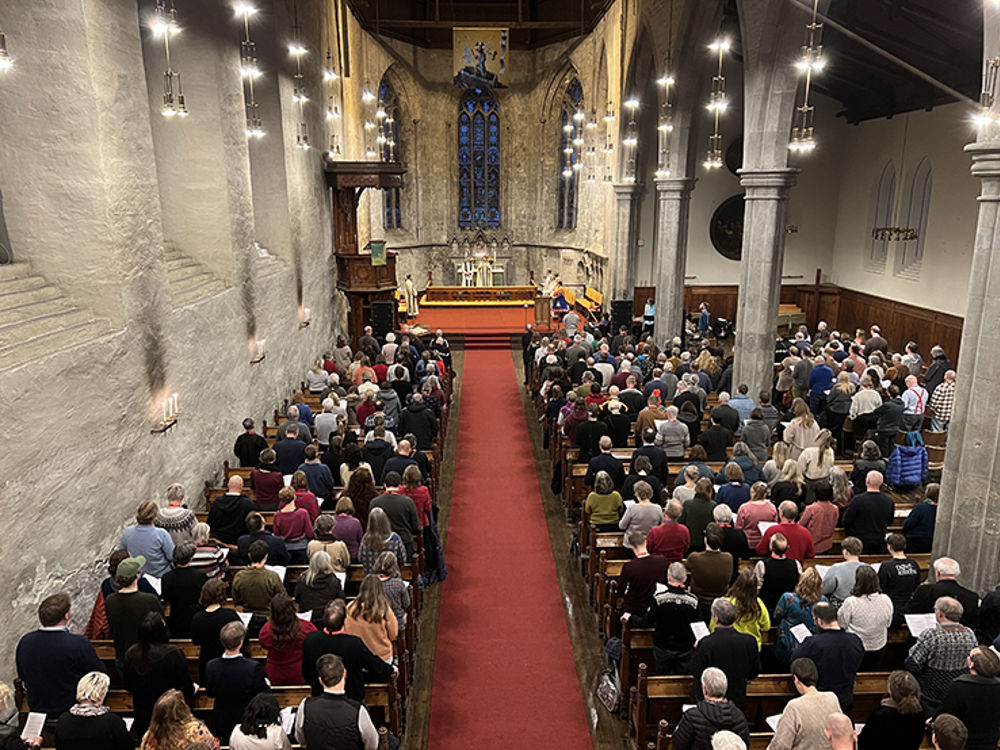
{"x": 673, "y": 203}
{"x": 760, "y": 274}
{"x": 968, "y": 518}
{"x": 623, "y": 261}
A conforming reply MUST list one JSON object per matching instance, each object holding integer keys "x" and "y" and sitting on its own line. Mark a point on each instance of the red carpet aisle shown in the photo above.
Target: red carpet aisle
{"x": 504, "y": 675}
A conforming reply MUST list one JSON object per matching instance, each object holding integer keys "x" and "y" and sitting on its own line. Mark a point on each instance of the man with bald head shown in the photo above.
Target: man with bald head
{"x": 399, "y": 461}
{"x": 839, "y": 731}
{"x": 227, "y": 514}
{"x": 869, "y": 515}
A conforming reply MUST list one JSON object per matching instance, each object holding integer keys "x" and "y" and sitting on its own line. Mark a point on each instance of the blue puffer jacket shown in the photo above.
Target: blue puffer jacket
{"x": 908, "y": 463}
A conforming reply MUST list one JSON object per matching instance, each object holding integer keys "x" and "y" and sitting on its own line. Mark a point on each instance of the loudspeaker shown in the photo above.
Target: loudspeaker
{"x": 621, "y": 314}
{"x": 382, "y": 320}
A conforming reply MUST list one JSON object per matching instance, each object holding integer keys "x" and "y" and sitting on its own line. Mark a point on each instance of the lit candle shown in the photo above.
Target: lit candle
{"x": 164, "y": 411}
{"x": 177, "y": 407}
{"x": 306, "y": 311}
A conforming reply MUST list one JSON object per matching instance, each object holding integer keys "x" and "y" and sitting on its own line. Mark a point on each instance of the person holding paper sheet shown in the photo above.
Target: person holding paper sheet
{"x": 735, "y": 653}
{"x": 643, "y": 515}
{"x": 941, "y": 653}
{"x": 673, "y": 612}
{"x": 370, "y": 618}
{"x": 712, "y": 714}
{"x": 127, "y": 607}
{"x": 671, "y": 538}
{"x": 89, "y": 725}
{"x": 734, "y": 541}
{"x": 795, "y": 608}
{"x": 332, "y": 719}
{"x": 869, "y": 515}
{"x": 804, "y": 718}
{"x": 946, "y": 571}
{"x": 800, "y": 543}
{"x": 867, "y": 613}
{"x": 208, "y": 623}
{"x": 283, "y": 635}
{"x": 898, "y": 577}
{"x": 836, "y": 653}
{"x": 758, "y": 510}
{"x": 317, "y": 586}
{"x": 254, "y": 587}
{"x": 898, "y": 721}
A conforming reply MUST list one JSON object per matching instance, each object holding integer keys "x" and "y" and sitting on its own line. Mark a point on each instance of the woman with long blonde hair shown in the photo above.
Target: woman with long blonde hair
{"x": 802, "y": 431}
{"x": 370, "y": 618}
{"x": 173, "y": 727}
{"x": 790, "y": 486}
{"x": 795, "y": 608}
{"x": 780, "y": 453}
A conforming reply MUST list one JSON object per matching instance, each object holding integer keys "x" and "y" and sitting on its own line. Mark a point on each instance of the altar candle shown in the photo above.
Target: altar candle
{"x": 164, "y": 411}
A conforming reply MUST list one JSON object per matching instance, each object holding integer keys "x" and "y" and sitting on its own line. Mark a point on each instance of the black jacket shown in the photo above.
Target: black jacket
{"x": 605, "y": 462}
{"x": 361, "y": 664}
{"x": 935, "y": 373}
{"x": 698, "y": 724}
{"x": 657, "y": 457}
{"x": 232, "y": 683}
{"x": 716, "y": 439}
{"x": 727, "y": 416}
{"x": 419, "y": 419}
{"x": 588, "y": 437}
{"x": 277, "y": 552}
{"x": 974, "y": 700}
{"x": 922, "y": 601}
{"x": 398, "y": 464}
{"x": 181, "y": 588}
{"x": 734, "y": 653}
{"x": 376, "y": 452}
{"x": 166, "y": 668}
{"x": 291, "y": 453}
{"x": 104, "y": 732}
{"x": 887, "y": 727}
{"x": 228, "y": 517}
{"x": 248, "y": 447}
{"x": 671, "y": 615}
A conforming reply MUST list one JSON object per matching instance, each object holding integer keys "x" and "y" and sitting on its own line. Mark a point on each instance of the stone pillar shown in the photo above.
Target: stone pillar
{"x": 760, "y": 274}
{"x": 623, "y": 261}
{"x": 968, "y": 518}
{"x": 673, "y": 203}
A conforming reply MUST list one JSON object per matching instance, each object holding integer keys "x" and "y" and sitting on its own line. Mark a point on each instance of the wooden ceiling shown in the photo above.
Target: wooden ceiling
{"x": 428, "y": 23}
{"x": 942, "y": 39}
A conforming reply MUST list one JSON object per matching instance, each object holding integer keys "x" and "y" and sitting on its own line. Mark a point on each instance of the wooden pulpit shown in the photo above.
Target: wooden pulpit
{"x": 360, "y": 281}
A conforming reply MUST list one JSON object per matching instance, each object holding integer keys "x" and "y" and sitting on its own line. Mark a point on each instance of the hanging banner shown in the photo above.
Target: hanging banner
{"x": 378, "y": 252}
{"x": 480, "y": 57}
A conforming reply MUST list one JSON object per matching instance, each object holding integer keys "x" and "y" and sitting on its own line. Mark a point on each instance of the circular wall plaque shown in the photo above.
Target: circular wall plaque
{"x": 726, "y": 228}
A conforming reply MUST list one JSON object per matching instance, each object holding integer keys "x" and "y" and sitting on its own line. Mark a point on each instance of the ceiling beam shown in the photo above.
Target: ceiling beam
{"x": 510, "y": 24}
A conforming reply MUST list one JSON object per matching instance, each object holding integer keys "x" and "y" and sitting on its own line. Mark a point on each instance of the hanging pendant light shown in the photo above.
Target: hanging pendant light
{"x": 163, "y": 24}
{"x": 717, "y": 104}
{"x": 811, "y": 61}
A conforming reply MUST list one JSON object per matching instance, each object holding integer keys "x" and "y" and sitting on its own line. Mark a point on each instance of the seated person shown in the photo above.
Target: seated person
{"x": 714, "y": 713}
{"x": 277, "y": 552}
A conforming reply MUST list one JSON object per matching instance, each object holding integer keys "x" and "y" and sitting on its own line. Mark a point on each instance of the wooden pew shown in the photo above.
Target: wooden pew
{"x": 653, "y": 699}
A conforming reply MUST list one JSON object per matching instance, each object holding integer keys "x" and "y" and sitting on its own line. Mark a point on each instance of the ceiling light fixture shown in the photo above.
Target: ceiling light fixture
{"x": 811, "y": 61}
{"x": 254, "y": 128}
{"x": 164, "y": 24}
{"x": 717, "y": 104}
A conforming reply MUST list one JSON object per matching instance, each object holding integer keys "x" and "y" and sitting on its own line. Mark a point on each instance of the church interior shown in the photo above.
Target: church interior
{"x": 251, "y": 195}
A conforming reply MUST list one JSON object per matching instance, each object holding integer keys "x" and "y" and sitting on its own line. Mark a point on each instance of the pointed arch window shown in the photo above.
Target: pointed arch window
{"x": 478, "y": 160}
{"x": 389, "y": 149}
{"x": 883, "y": 201}
{"x": 571, "y": 124}
{"x": 910, "y": 253}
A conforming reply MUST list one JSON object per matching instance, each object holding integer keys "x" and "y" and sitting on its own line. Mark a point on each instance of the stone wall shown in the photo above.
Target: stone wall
{"x": 98, "y": 188}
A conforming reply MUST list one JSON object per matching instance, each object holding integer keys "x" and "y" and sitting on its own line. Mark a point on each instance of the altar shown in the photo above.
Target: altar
{"x": 462, "y": 296}
{"x": 494, "y": 308}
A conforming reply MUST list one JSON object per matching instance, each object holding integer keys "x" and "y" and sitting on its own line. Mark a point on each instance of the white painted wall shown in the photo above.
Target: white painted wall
{"x": 939, "y": 135}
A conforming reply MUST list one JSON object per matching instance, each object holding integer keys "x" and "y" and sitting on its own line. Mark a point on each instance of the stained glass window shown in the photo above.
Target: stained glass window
{"x": 571, "y": 124}
{"x": 478, "y": 160}
{"x": 388, "y": 143}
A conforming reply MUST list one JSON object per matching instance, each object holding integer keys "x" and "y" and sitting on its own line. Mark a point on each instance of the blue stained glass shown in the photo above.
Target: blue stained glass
{"x": 478, "y": 160}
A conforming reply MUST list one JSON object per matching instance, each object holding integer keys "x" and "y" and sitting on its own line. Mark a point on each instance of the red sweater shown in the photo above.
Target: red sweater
{"x": 421, "y": 497}
{"x": 800, "y": 541}
{"x": 670, "y": 540}
{"x": 265, "y": 486}
{"x": 284, "y": 663}
{"x": 307, "y": 500}
{"x": 293, "y": 526}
